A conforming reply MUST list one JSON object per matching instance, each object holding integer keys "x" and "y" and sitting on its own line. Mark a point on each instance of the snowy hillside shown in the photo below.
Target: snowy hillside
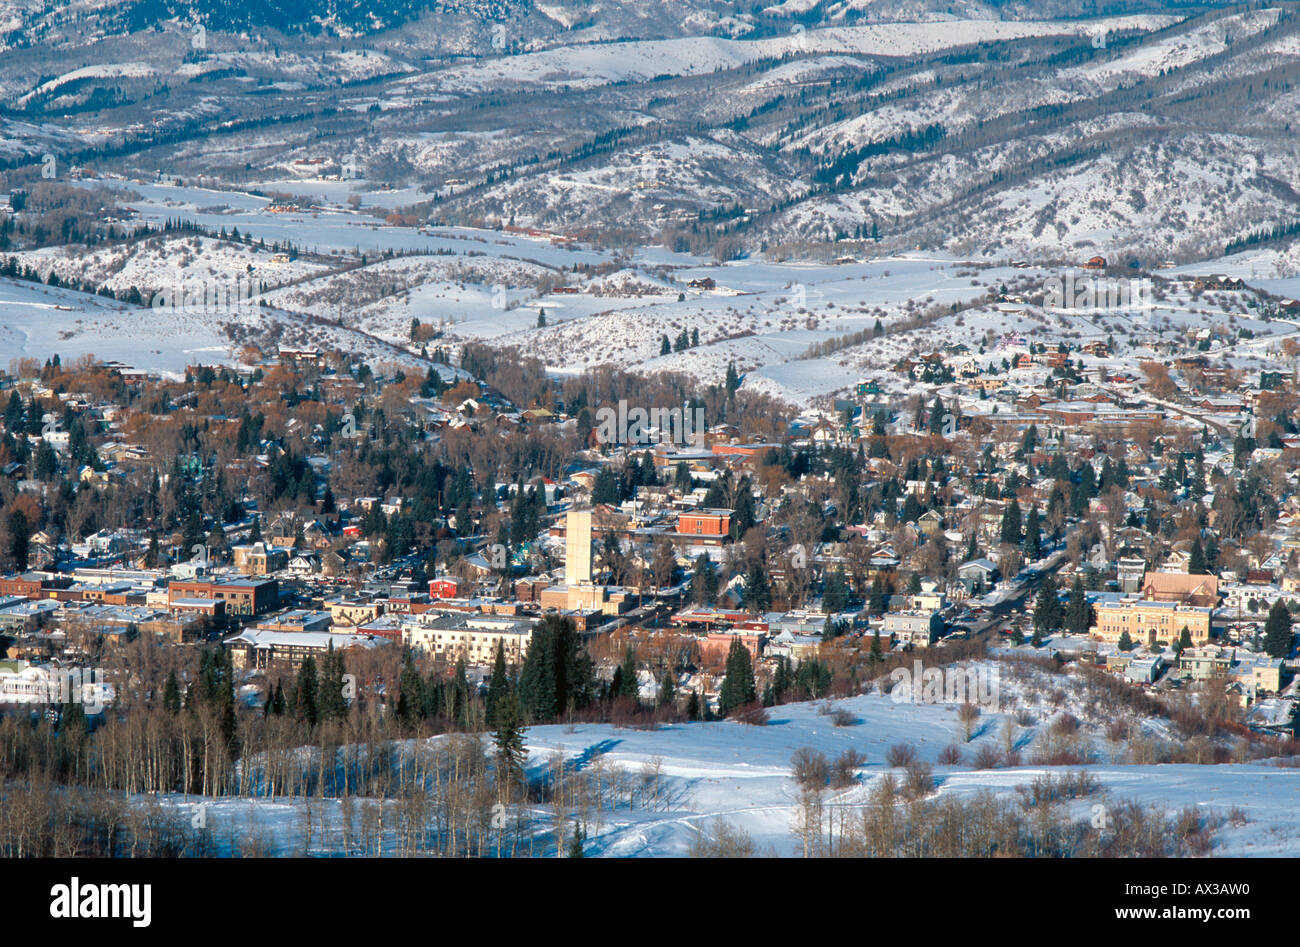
{"x": 678, "y": 781}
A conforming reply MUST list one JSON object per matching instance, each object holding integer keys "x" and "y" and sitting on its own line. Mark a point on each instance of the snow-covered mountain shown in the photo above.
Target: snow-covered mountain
{"x": 980, "y": 128}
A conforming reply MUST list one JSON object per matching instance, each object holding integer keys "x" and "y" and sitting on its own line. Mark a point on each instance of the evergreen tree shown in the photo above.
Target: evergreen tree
{"x": 1125, "y": 642}
{"x": 333, "y": 704}
{"x": 172, "y": 694}
{"x": 668, "y": 690}
{"x": 508, "y": 736}
{"x": 738, "y": 686}
{"x": 1047, "y": 607}
{"x": 1033, "y": 536}
{"x": 758, "y": 595}
{"x": 575, "y": 845}
{"x": 937, "y": 413}
{"x": 835, "y": 592}
{"x": 1277, "y": 631}
{"x": 704, "y": 581}
{"x": 410, "y": 696}
{"x": 1078, "y": 613}
{"x": 498, "y": 685}
{"x": 876, "y": 600}
{"x": 307, "y": 693}
{"x": 1010, "y": 532}
{"x": 557, "y": 672}
{"x": 19, "y": 539}
{"x": 72, "y": 719}
{"x": 627, "y": 680}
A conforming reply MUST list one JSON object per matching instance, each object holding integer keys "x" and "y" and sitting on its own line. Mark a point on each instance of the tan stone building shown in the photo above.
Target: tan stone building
{"x": 258, "y": 559}
{"x": 1150, "y": 622}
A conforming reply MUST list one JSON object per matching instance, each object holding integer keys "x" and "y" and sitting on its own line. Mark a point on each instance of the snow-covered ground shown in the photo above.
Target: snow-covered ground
{"x": 742, "y": 774}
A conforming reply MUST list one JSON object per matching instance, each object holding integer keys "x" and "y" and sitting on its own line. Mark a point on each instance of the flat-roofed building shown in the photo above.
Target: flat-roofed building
{"x": 918, "y": 628}
{"x": 577, "y": 547}
{"x": 259, "y": 648}
{"x": 473, "y": 637}
{"x": 242, "y": 596}
{"x": 705, "y": 523}
{"x": 351, "y": 612}
{"x": 298, "y": 619}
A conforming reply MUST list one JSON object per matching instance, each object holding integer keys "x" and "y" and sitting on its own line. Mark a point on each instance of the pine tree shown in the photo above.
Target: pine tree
{"x": 1033, "y": 536}
{"x": 1078, "y": 613}
{"x": 575, "y": 845}
{"x": 627, "y": 679}
{"x": 460, "y": 696}
{"x": 410, "y": 696}
{"x": 668, "y": 690}
{"x": 738, "y": 687}
{"x": 1047, "y": 608}
{"x": 333, "y": 704}
{"x": 498, "y": 685}
{"x": 72, "y": 719}
{"x": 557, "y": 672}
{"x": 1010, "y": 532}
{"x": 733, "y": 380}
{"x": 1125, "y": 642}
{"x": 306, "y": 692}
{"x": 835, "y": 592}
{"x": 508, "y": 737}
{"x": 172, "y": 694}
{"x": 1277, "y": 631}
{"x": 876, "y": 600}
{"x": 758, "y": 596}
{"x": 704, "y": 581}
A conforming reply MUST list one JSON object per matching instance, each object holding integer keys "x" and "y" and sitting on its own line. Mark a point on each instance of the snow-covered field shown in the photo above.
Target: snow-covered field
{"x": 742, "y": 774}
